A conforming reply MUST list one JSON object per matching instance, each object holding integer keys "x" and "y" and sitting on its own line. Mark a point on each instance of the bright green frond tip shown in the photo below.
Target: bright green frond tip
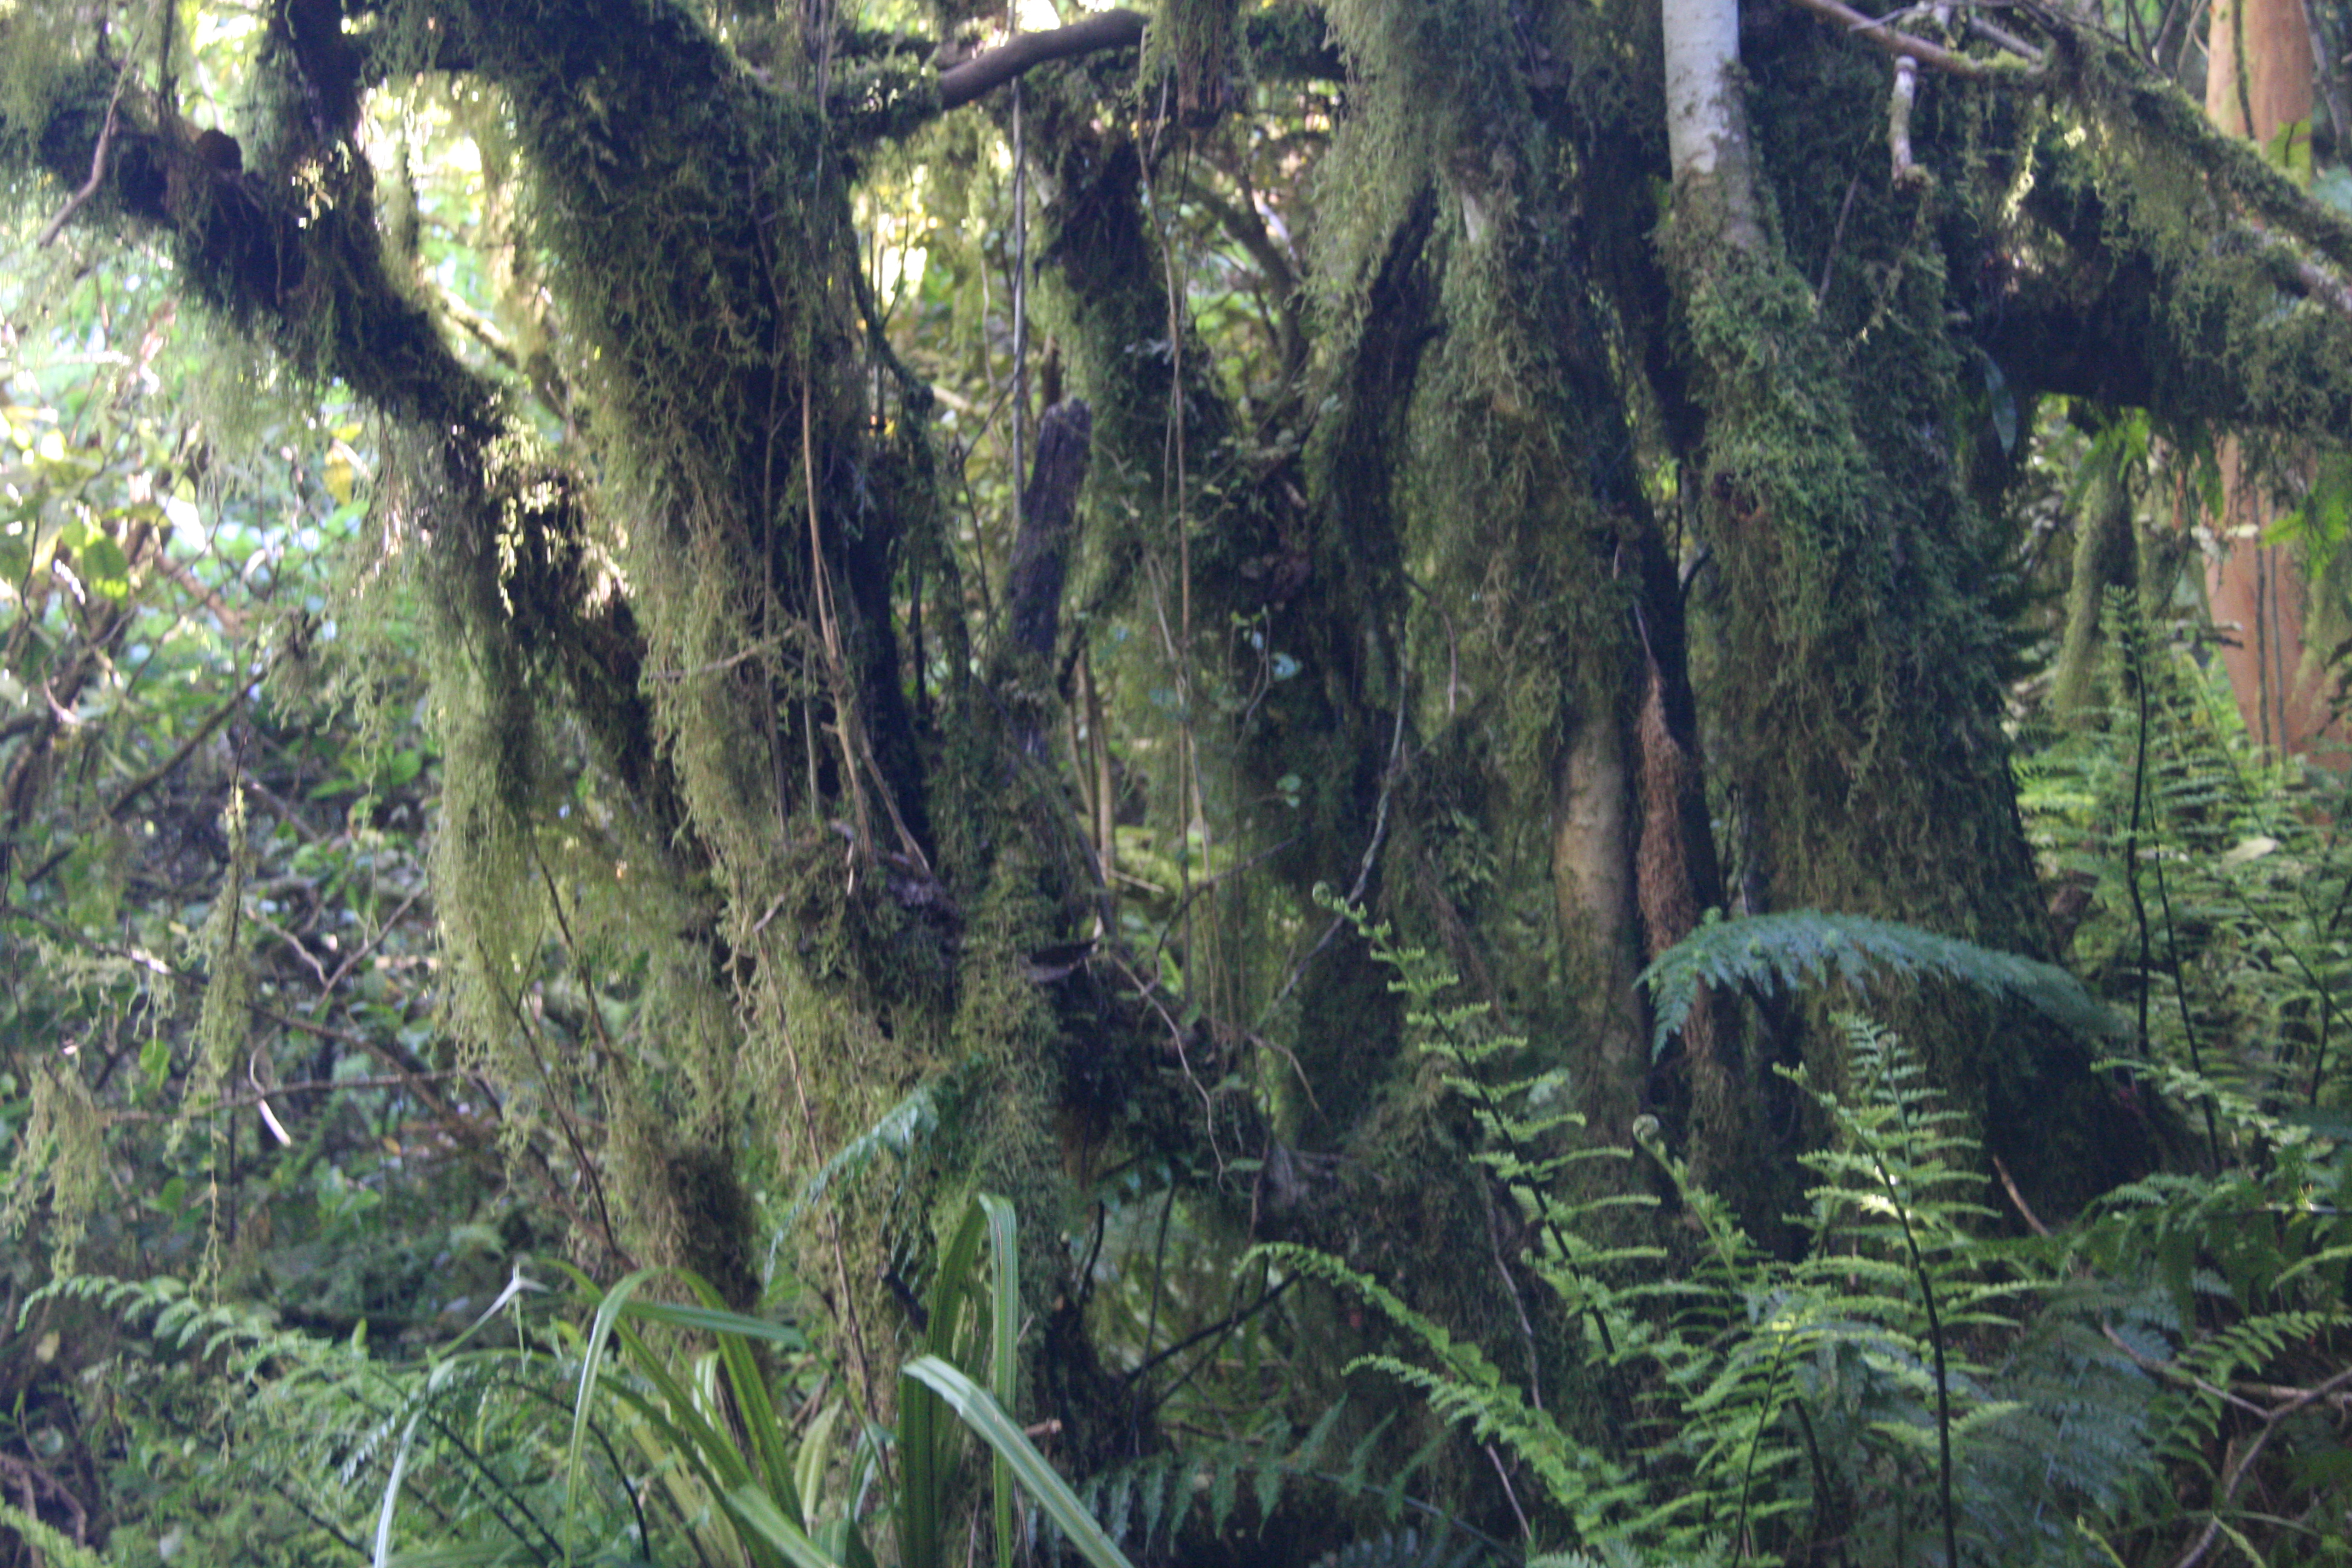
{"x": 1801, "y": 947}
{"x": 46, "y": 1539}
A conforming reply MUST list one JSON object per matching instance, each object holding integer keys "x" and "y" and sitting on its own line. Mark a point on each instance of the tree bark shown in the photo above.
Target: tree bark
{"x": 2258, "y": 83}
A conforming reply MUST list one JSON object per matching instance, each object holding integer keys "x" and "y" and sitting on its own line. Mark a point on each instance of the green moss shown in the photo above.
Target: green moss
{"x": 60, "y": 1157}
{"x": 2106, "y": 557}
{"x": 1200, "y": 41}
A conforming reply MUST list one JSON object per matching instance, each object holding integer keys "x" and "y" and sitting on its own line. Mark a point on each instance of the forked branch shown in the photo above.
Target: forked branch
{"x": 1907, "y": 46}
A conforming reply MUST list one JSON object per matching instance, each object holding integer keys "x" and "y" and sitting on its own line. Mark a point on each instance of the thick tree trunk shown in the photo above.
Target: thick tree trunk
{"x": 2258, "y": 83}
{"x": 2259, "y": 68}
{"x": 1853, "y": 672}
{"x": 824, "y": 898}
{"x": 1446, "y": 533}
{"x": 1706, "y": 123}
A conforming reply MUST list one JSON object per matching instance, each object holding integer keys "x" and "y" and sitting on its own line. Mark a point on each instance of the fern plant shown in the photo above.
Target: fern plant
{"x": 269, "y": 1447}
{"x": 1897, "y": 1263}
{"x": 1798, "y": 949}
{"x": 2215, "y": 883}
{"x": 2243, "y": 1326}
{"x": 1851, "y": 1396}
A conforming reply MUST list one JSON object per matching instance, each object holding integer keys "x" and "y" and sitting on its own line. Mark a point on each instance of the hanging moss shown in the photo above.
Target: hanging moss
{"x": 759, "y": 506}
{"x": 1200, "y": 41}
{"x": 223, "y": 944}
{"x": 2106, "y": 557}
{"x": 691, "y": 804}
{"x": 60, "y": 1157}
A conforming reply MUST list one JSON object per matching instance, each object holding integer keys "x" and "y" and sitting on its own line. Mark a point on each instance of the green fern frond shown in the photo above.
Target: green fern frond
{"x": 2253, "y": 1342}
{"x": 1800, "y": 947}
{"x": 1776, "y": 1399}
{"x": 1161, "y": 1493}
{"x": 52, "y": 1543}
{"x": 899, "y": 1130}
{"x": 1468, "y": 1389}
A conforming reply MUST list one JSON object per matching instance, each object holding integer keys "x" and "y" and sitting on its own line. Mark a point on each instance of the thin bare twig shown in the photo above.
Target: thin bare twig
{"x": 1907, "y": 46}
{"x": 130, "y": 793}
{"x": 764, "y": 647}
{"x": 2009, "y": 1185}
{"x": 1510, "y": 1494}
{"x": 97, "y": 162}
{"x": 359, "y": 954}
{"x": 2005, "y": 39}
{"x": 2237, "y": 1472}
{"x": 2166, "y": 1371}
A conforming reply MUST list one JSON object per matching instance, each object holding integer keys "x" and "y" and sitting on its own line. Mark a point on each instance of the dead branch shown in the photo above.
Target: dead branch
{"x": 1904, "y": 46}
{"x": 985, "y": 73}
{"x": 97, "y": 164}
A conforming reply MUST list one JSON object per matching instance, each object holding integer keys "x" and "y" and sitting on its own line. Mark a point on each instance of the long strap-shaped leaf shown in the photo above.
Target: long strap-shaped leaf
{"x": 690, "y": 1425}
{"x": 925, "y": 1453}
{"x": 600, "y": 1330}
{"x": 759, "y": 1511}
{"x": 979, "y": 1410}
{"x": 1004, "y": 1336}
{"x": 383, "y": 1549}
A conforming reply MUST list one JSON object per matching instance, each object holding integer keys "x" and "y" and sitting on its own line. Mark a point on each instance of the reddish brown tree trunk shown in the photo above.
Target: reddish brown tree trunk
{"x": 2258, "y": 82}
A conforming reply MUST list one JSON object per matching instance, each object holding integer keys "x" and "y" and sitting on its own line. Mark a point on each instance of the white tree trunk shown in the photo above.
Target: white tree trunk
{"x": 1707, "y": 126}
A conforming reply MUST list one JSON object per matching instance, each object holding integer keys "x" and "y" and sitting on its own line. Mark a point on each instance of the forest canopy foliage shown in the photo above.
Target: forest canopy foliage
{"x": 1383, "y": 781}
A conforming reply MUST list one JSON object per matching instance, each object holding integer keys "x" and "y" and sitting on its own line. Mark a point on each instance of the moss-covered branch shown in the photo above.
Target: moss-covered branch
{"x": 1901, "y": 45}
{"x": 2166, "y": 125}
{"x": 2219, "y": 331}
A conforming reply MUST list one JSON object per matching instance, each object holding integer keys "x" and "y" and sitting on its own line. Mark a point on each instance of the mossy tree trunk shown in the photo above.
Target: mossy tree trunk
{"x": 1832, "y": 455}
{"x": 816, "y": 897}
